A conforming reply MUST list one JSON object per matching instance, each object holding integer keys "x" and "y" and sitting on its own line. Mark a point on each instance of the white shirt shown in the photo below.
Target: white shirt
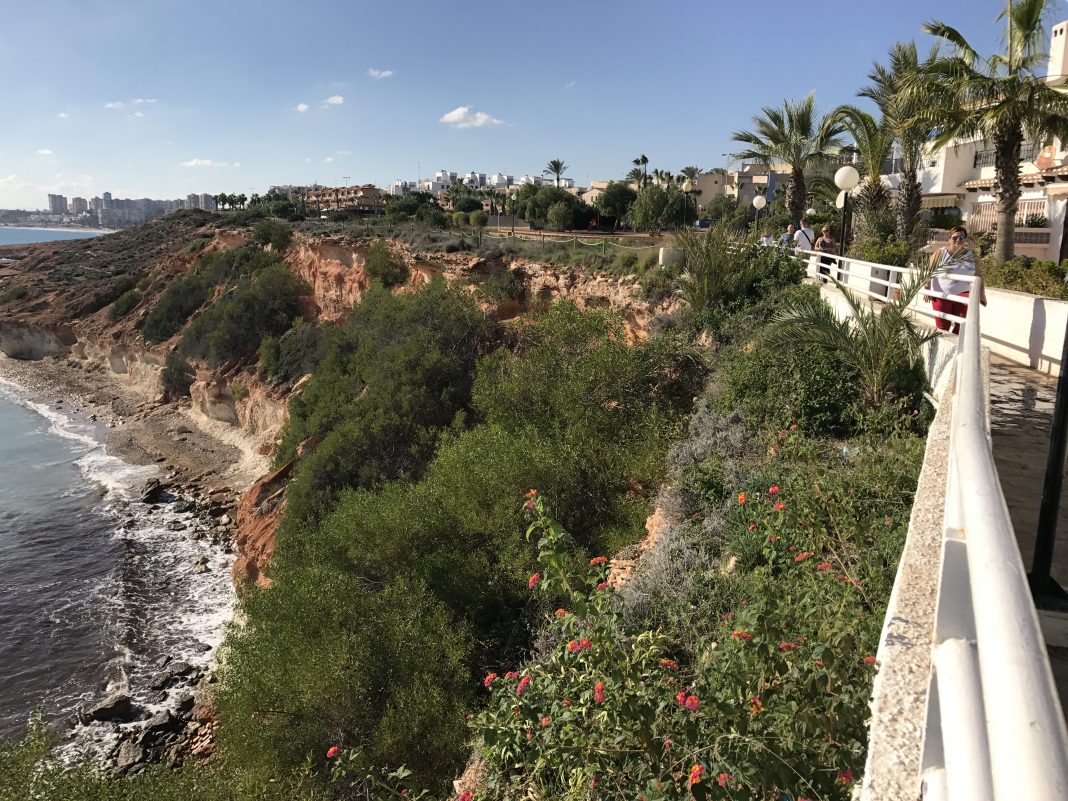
{"x": 766, "y": 240}
{"x": 804, "y": 238}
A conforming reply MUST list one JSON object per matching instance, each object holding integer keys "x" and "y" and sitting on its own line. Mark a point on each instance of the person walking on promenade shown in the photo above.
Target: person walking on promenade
{"x": 787, "y": 239}
{"x": 827, "y": 246}
{"x": 957, "y": 257}
{"x": 766, "y": 238}
{"x": 805, "y": 237}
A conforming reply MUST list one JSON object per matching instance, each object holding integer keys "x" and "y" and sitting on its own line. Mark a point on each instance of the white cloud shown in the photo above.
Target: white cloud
{"x": 115, "y": 104}
{"x": 237, "y": 163}
{"x": 334, "y": 100}
{"x": 344, "y": 152}
{"x": 379, "y": 74}
{"x": 306, "y": 161}
{"x": 301, "y": 107}
{"x": 569, "y": 84}
{"x": 205, "y": 163}
{"x": 463, "y": 117}
{"x": 12, "y": 182}
{"x": 137, "y": 101}
{"x": 328, "y": 159}
{"x": 135, "y": 114}
{"x": 44, "y": 151}
{"x": 63, "y": 115}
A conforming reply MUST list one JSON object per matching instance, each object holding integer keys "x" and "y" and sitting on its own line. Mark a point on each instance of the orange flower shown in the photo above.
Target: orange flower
{"x": 723, "y": 778}
{"x": 756, "y": 706}
{"x": 531, "y": 493}
{"x": 773, "y": 489}
{"x": 801, "y": 557}
{"x": 598, "y": 560}
{"x": 695, "y": 774}
{"x": 741, "y": 498}
{"x": 533, "y": 581}
{"x": 561, "y": 612}
{"x": 824, "y": 566}
{"x": 333, "y": 752}
{"x": 869, "y": 660}
{"x": 738, "y": 634}
{"x": 545, "y": 722}
{"x": 778, "y": 506}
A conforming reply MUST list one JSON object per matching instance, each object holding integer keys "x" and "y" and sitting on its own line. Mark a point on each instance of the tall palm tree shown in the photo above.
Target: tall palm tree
{"x": 220, "y": 200}
{"x": 555, "y": 167}
{"x": 690, "y": 173}
{"x": 794, "y": 135}
{"x": 231, "y": 200}
{"x": 642, "y": 163}
{"x": 636, "y": 176}
{"x": 874, "y": 342}
{"x": 241, "y": 200}
{"x": 1003, "y": 98}
{"x": 874, "y": 143}
{"x": 902, "y": 111}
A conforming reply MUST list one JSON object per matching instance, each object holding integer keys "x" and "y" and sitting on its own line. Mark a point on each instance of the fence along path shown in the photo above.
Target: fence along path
{"x": 994, "y": 727}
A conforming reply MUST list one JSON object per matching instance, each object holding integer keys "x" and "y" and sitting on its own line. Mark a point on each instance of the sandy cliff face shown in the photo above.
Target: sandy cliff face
{"x": 333, "y": 268}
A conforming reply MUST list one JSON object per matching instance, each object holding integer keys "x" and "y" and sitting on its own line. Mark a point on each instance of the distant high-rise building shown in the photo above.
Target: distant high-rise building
{"x": 107, "y": 200}
{"x": 57, "y": 204}
{"x": 78, "y": 205}
{"x": 96, "y": 204}
{"x": 192, "y": 201}
{"x": 207, "y": 202}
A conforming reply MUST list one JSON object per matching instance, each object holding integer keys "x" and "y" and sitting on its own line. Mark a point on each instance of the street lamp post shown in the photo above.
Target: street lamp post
{"x": 687, "y": 188}
{"x": 846, "y": 179}
{"x": 759, "y": 202}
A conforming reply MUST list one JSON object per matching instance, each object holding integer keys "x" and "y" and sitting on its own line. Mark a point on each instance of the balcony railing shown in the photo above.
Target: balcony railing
{"x": 985, "y": 158}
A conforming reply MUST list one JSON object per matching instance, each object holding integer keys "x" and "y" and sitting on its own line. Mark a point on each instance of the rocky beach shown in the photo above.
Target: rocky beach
{"x": 170, "y": 481}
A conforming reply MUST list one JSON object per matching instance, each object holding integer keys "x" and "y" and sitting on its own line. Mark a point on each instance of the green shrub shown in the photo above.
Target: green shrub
{"x": 198, "y": 244}
{"x": 776, "y": 387}
{"x": 559, "y": 217}
{"x": 126, "y": 301}
{"x": 383, "y": 267}
{"x": 1036, "y": 221}
{"x": 892, "y": 252}
{"x": 657, "y": 286}
{"x": 234, "y": 326}
{"x": 294, "y": 354}
{"x": 17, "y": 293}
{"x": 459, "y": 218}
{"x": 502, "y": 286}
{"x": 479, "y": 219}
{"x": 1026, "y": 274}
{"x": 274, "y": 233}
{"x": 239, "y": 392}
{"x": 176, "y": 377}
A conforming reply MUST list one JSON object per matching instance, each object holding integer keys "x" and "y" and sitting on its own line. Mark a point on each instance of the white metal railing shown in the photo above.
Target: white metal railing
{"x": 994, "y": 729}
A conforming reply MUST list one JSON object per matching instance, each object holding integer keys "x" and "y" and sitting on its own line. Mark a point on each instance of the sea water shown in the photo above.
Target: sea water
{"x": 97, "y": 589}
{"x": 25, "y": 236}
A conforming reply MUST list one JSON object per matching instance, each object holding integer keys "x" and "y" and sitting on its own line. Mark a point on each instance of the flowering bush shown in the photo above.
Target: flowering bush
{"x": 769, "y": 699}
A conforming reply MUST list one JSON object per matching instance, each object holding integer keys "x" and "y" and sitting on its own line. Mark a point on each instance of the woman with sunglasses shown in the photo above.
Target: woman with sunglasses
{"x": 958, "y": 257}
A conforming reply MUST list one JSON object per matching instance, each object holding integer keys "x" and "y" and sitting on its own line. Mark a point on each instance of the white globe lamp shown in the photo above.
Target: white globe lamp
{"x": 759, "y": 202}
{"x": 845, "y": 179}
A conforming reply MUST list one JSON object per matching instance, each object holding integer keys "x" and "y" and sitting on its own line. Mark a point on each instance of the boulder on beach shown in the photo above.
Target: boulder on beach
{"x": 153, "y": 491}
{"x": 117, "y": 706}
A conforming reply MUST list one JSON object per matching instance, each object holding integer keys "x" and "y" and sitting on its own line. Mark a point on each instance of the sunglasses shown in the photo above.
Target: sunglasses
{"x": 958, "y": 238}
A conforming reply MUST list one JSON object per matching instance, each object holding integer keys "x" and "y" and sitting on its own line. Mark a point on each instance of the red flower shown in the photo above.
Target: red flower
{"x": 792, "y": 548}
{"x": 332, "y": 752}
{"x": 596, "y": 778}
{"x": 486, "y": 682}
{"x": 782, "y": 433}
{"x": 772, "y": 538}
{"x": 756, "y": 706}
{"x": 578, "y": 645}
{"x": 529, "y": 504}
{"x": 743, "y": 602}
{"x": 773, "y": 489}
{"x": 523, "y": 682}
{"x": 466, "y": 794}
{"x": 723, "y": 778}
{"x": 511, "y": 674}
{"x": 738, "y": 634}
{"x": 741, "y": 499}
{"x": 680, "y": 697}
{"x": 531, "y": 493}
{"x": 775, "y": 447}
{"x": 787, "y": 646}
{"x": 824, "y": 566}
{"x": 869, "y": 660}
{"x": 545, "y": 722}
{"x": 668, "y": 742}
{"x": 793, "y": 427}
{"x": 598, "y": 692}
{"x": 695, "y": 774}
{"x": 845, "y": 777}
{"x": 778, "y": 506}
{"x": 566, "y": 702}
{"x": 603, "y": 585}
{"x": 533, "y": 581}
{"x": 752, "y": 526}
{"x": 561, "y": 613}
{"x": 693, "y": 703}
{"x": 671, "y": 664}
{"x": 727, "y": 616}
{"x": 801, "y": 557}
{"x": 598, "y": 560}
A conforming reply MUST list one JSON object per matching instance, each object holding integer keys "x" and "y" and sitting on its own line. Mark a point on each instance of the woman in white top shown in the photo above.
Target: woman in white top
{"x": 766, "y": 238}
{"x": 958, "y": 257}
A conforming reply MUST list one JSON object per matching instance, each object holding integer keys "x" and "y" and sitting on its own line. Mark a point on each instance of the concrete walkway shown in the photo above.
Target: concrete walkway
{"x": 1021, "y": 411}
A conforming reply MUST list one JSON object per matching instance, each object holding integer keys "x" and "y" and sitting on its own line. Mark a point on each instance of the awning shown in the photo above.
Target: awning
{"x": 940, "y": 201}
{"x": 1057, "y": 190}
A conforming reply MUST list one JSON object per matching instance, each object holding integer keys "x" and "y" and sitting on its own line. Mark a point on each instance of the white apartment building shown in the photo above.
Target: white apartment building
{"x": 961, "y": 176}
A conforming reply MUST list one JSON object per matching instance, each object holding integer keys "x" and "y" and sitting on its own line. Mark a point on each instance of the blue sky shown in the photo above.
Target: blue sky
{"x": 160, "y": 99}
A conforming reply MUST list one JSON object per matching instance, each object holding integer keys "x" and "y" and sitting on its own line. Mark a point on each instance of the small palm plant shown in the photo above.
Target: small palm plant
{"x": 711, "y": 260}
{"x": 877, "y": 343}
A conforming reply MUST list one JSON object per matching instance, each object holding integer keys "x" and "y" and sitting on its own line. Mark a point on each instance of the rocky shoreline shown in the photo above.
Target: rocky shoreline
{"x": 166, "y": 715}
